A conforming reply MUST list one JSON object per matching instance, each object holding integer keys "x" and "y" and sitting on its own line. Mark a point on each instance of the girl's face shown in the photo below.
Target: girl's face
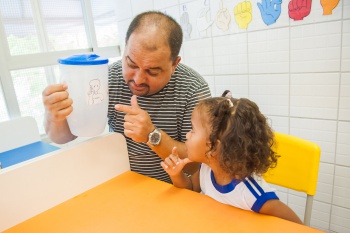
{"x": 197, "y": 138}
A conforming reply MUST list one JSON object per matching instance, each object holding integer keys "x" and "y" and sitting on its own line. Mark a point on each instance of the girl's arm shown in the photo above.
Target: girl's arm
{"x": 281, "y": 210}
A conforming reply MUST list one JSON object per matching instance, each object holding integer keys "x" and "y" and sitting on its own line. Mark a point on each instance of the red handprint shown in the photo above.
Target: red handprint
{"x": 298, "y": 9}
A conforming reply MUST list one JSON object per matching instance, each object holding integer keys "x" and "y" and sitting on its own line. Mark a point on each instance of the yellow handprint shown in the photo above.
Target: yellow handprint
{"x": 243, "y": 14}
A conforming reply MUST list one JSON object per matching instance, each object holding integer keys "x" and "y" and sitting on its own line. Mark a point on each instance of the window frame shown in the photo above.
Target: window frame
{"x": 43, "y": 59}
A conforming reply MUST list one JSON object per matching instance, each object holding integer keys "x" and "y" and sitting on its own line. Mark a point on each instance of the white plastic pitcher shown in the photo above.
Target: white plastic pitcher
{"x": 86, "y": 76}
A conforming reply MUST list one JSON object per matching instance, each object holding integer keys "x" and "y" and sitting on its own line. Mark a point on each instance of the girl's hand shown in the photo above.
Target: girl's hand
{"x": 173, "y": 165}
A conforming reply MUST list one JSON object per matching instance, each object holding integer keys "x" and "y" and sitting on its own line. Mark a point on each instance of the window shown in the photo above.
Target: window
{"x": 34, "y": 34}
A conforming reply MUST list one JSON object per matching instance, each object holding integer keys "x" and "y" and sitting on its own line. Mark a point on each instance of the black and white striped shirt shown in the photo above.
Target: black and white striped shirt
{"x": 170, "y": 110}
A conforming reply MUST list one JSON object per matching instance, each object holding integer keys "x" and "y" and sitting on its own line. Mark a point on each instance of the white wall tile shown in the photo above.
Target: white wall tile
{"x": 283, "y": 196}
{"x": 230, "y": 54}
{"x": 341, "y": 192}
{"x": 340, "y": 219}
{"x": 346, "y": 9}
{"x": 297, "y": 204}
{"x": 343, "y": 144}
{"x": 345, "y": 62}
{"x": 198, "y": 54}
{"x": 315, "y": 47}
{"x": 279, "y": 124}
{"x": 271, "y": 93}
{"x": 321, "y": 215}
{"x": 184, "y": 1}
{"x": 322, "y": 132}
{"x": 324, "y": 192}
{"x": 325, "y": 183}
{"x": 268, "y": 51}
{"x": 173, "y": 12}
{"x": 211, "y": 82}
{"x": 344, "y": 101}
{"x": 161, "y": 4}
{"x": 314, "y": 95}
{"x": 141, "y": 6}
{"x": 237, "y": 84}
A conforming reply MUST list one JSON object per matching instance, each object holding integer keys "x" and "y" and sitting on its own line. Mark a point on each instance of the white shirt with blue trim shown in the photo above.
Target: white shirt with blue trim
{"x": 250, "y": 194}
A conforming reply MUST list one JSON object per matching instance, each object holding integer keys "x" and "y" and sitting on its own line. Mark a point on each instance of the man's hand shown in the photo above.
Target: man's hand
{"x": 138, "y": 123}
{"x": 56, "y": 102}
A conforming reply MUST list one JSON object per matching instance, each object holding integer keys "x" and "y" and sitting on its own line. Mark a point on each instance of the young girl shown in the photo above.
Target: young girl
{"x": 232, "y": 141}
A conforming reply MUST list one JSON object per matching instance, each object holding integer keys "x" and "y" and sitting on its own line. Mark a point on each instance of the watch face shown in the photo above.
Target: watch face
{"x": 155, "y": 138}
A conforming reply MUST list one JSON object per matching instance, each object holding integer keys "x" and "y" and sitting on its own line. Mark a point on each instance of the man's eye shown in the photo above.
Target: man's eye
{"x": 152, "y": 73}
{"x": 132, "y": 66}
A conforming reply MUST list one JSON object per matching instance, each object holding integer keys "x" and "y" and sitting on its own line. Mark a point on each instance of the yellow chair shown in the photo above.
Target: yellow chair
{"x": 297, "y": 168}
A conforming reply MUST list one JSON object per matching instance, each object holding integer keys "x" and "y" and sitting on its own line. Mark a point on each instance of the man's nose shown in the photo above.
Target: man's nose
{"x": 139, "y": 77}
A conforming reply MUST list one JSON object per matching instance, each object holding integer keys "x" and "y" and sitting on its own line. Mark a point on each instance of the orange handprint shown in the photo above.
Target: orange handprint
{"x": 328, "y": 6}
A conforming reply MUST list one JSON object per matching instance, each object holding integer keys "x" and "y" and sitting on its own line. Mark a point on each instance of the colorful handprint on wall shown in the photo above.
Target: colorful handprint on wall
{"x": 270, "y": 10}
{"x": 243, "y": 14}
{"x": 203, "y": 21}
{"x": 328, "y": 6}
{"x": 223, "y": 17}
{"x": 298, "y": 9}
{"x": 186, "y": 26}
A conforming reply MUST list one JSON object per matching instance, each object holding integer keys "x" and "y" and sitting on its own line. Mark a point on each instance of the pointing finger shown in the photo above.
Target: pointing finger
{"x": 133, "y": 109}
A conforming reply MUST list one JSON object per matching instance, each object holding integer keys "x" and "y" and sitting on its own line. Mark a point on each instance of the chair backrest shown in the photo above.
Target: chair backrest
{"x": 297, "y": 168}
{"x": 18, "y": 132}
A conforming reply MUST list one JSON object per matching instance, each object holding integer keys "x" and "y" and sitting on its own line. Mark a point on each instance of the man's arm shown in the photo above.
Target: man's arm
{"x": 138, "y": 125}
{"x": 57, "y": 107}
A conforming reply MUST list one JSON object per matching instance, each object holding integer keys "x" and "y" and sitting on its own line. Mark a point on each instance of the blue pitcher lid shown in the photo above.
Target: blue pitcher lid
{"x": 86, "y": 59}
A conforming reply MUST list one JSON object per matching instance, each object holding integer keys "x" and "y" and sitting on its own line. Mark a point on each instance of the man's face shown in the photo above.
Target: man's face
{"x": 147, "y": 64}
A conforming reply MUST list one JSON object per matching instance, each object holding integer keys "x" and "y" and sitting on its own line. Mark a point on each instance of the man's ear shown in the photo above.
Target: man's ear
{"x": 175, "y": 63}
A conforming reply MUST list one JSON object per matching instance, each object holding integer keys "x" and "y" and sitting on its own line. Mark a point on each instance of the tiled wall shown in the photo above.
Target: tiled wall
{"x": 298, "y": 72}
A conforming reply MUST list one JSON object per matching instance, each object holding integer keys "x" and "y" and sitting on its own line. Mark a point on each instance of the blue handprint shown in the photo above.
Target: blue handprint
{"x": 270, "y": 10}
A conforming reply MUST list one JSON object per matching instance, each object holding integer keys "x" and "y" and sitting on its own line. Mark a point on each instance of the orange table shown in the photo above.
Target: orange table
{"x": 134, "y": 203}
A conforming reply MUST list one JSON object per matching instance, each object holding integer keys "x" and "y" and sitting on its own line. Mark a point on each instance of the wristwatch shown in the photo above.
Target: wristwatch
{"x": 154, "y": 137}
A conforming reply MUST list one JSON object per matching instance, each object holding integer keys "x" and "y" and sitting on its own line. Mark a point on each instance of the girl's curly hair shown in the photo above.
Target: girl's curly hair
{"x": 240, "y": 135}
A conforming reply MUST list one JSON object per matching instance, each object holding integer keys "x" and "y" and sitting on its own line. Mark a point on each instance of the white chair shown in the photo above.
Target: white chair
{"x": 18, "y": 132}
{"x": 34, "y": 186}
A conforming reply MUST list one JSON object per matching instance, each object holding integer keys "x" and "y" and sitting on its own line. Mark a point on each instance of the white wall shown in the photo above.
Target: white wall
{"x": 298, "y": 72}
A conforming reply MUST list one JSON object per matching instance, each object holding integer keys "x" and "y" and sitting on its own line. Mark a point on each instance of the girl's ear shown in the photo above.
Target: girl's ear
{"x": 214, "y": 153}
{"x": 217, "y": 146}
